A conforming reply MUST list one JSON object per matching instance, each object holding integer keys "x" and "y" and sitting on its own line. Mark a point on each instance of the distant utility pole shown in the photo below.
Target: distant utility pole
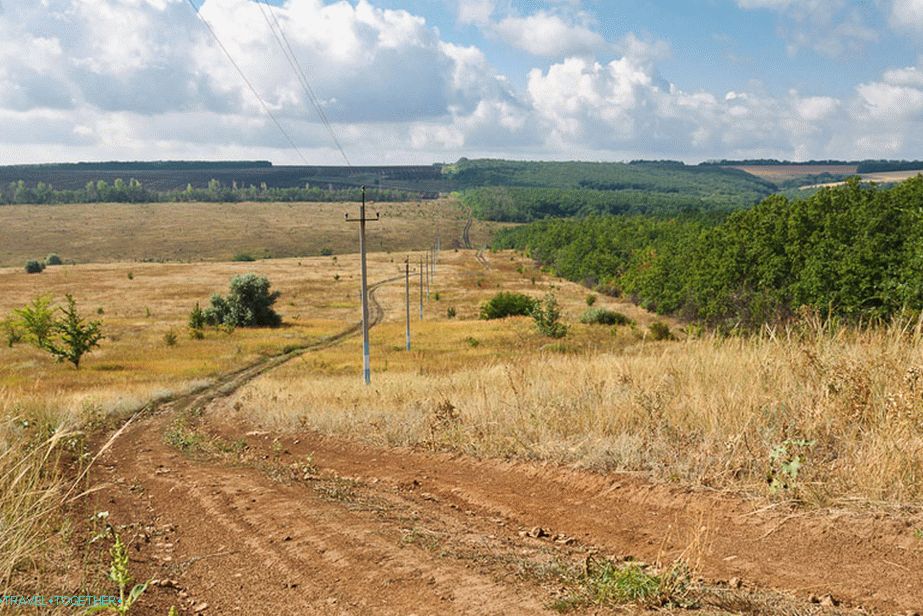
{"x": 366, "y": 364}
{"x": 428, "y": 273}
{"x": 407, "y": 296}
{"x": 421, "y": 288}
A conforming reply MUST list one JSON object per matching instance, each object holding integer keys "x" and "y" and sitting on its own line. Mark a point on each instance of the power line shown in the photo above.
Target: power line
{"x": 282, "y": 40}
{"x": 247, "y": 81}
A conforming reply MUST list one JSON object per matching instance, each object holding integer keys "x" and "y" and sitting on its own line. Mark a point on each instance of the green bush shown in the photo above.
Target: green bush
{"x": 34, "y": 267}
{"x": 604, "y": 316}
{"x": 243, "y": 257}
{"x": 508, "y": 304}
{"x": 590, "y": 299}
{"x": 326, "y": 252}
{"x": 53, "y": 259}
{"x": 451, "y": 312}
{"x": 248, "y": 304}
{"x": 547, "y": 316}
{"x": 660, "y": 331}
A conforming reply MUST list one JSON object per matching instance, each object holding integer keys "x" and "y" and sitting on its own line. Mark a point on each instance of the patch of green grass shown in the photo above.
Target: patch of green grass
{"x": 610, "y": 584}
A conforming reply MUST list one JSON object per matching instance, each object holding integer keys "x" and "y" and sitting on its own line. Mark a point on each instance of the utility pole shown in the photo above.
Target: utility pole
{"x": 407, "y": 296}
{"x": 366, "y": 363}
{"x": 421, "y": 288}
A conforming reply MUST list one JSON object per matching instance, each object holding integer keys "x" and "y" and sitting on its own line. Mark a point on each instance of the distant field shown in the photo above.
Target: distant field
{"x": 883, "y": 177}
{"x": 217, "y": 231}
{"x": 784, "y": 172}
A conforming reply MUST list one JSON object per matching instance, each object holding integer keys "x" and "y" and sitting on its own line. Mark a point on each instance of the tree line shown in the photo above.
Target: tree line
{"x": 853, "y": 251}
{"x": 133, "y": 191}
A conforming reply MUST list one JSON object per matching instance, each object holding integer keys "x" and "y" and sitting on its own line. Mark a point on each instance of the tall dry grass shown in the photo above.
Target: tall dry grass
{"x": 32, "y": 443}
{"x": 708, "y": 410}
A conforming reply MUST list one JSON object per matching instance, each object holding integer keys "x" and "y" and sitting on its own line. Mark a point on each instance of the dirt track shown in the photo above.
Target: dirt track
{"x": 250, "y": 524}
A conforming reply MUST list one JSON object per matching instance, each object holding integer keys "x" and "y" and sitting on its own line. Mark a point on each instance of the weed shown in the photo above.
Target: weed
{"x": 918, "y": 533}
{"x": 169, "y": 338}
{"x": 606, "y": 583}
{"x": 590, "y": 299}
{"x": 785, "y": 462}
{"x": 119, "y": 573}
{"x": 472, "y": 342}
{"x": 131, "y": 275}
{"x": 451, "y": 312}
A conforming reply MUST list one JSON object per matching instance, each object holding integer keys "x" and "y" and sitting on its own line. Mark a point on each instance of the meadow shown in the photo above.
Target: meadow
{"x": 811, "y": 416}
{"x": 185, "y": 232}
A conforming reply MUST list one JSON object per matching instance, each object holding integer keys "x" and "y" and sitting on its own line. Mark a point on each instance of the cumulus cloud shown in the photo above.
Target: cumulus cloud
{"x": 548, "y": 35}
{"x": 142, "y": 79}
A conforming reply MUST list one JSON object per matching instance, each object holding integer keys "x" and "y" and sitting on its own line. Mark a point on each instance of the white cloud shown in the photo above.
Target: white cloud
{"x": 907, "y": 15}
{"x": 476, "y": 12}
{"x": 548, "y": 35}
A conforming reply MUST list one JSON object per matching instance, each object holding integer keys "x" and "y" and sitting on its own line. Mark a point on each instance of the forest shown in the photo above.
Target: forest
{"x": 853, "y": 251}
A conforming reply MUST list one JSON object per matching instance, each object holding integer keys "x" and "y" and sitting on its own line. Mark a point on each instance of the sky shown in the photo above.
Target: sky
{"x": 423, "y": 81}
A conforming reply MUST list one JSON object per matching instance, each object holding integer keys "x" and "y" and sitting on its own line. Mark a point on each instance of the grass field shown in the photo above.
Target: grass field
{"x": 812, "y": 414}
{"x": 218, "y": 231}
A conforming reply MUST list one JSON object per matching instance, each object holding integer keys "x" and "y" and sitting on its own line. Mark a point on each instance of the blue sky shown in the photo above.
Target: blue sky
{"x": 426, "y": 80}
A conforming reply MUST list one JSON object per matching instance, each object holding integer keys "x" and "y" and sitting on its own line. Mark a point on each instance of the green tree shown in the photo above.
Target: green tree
{"x": 248, "y": 304}
{"x": 74, "y": 337}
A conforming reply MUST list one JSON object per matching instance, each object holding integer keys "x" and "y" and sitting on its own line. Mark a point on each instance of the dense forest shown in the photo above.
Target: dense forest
{"x": 854, "y": 251}
{"x": 514, "y": 191}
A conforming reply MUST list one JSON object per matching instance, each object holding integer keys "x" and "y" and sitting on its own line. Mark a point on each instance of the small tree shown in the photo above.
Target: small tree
{"x": 248, "y": 304}
{"x": 547, "y": 316}
{"x": 74, "y": 336}
{"x": 37, "y": 320}
{"x": 53, "y": 259}
{"x": 11, "y": 331}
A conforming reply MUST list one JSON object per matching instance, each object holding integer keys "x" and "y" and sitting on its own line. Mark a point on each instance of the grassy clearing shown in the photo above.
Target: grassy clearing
{"x": 218, "y": 231}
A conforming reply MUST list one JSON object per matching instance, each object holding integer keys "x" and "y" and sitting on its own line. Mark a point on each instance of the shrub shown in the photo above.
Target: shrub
{"x": 243, "y": 257}
{"x": 53, "y": 259}
{"x": 74, "y": 337}
{"x": 34, "y": 267}
{"x": 451, "y": 312}
{"x": 248, "y": 304}
{"x": 547, "y": 316}
{"x": 11, "y": 331}
{"x": 508, "y": 304}
{"x": 131, "y": 275}
{"x": 326, "y": 252}
{"x": 590, "y": 299}
{"x": 660, "y": 331}
{"x": 37, "y": 320}
{"x": 604, "y": 316}
{"x": 169, "y": 338}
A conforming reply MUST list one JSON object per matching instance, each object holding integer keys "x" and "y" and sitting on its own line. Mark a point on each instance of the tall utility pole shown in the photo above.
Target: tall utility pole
{"x": 407, "y": 296}
{"x": 366, "y": 363}
{"x": 421, "y": 288}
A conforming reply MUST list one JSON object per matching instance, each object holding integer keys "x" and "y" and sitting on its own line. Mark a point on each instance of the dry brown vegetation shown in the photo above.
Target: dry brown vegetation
{"x": 218, "y": 231}
{"x": 834, "y": 416}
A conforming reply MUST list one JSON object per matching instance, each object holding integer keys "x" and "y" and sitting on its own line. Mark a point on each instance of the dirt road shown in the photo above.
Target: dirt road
{"x": 250, "y": 523}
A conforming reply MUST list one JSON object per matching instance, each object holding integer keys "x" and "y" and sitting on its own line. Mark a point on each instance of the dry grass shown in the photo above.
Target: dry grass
{"x": 185, "y": 232}
{"x": 705, "y": 411}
